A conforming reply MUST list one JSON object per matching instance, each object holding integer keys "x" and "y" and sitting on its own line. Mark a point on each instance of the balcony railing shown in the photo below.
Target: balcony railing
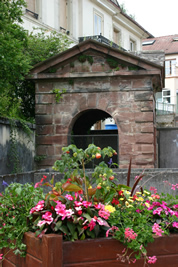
{"x": 101, "y": 39}
{"x": 165, "y": 108}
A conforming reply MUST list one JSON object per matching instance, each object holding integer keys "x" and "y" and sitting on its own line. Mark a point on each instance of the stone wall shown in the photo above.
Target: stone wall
{"x": 152, "y": 177}
{"x": 128, "y": 101}
{"x": 104, "y": 80}
{"x": 19, "y": 152}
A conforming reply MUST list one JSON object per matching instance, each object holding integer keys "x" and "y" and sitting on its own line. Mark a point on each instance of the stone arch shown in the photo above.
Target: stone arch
{"x": 81, "y": 134}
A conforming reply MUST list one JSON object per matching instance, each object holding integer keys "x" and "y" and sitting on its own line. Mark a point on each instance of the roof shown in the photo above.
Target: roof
{"x": 169, "y": 44}
{"x": 130, "y": 65}
{"x": 115, "y": 2}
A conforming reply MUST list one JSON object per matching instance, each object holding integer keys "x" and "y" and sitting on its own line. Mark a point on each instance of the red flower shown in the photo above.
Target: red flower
{"x": 115, "y": 201}
{"x": 79, "y": 212}
{"x": 120, "y": 192}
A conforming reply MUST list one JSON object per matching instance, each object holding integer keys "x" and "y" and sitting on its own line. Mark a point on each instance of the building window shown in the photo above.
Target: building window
{"x": 31, "y": 5}
{"x": 132, "y": 45}
{"x": 166, "y": 96}
{"x": 98, "y": 24}
{"x": 170, "y": 67}
{"x": 63, "y": 14}
{"x": 116, "y": 36}
{"x": 32, "y": 8}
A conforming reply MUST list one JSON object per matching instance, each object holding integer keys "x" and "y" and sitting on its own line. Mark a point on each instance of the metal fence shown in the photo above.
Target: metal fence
{"x": 165, "y": 108}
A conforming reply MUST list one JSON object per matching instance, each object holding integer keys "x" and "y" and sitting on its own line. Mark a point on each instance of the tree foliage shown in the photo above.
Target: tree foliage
{"x": 19, "y": 51}
{"x": 125, "y": 11}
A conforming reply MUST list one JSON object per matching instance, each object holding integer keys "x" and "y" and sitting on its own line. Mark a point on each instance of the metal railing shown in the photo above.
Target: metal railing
{"x": 101, "y": 39}
{"x": 165, "y": 108}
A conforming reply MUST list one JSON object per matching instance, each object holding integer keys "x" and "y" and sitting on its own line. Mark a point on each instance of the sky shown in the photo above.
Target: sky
{"x": 158, "y": 17}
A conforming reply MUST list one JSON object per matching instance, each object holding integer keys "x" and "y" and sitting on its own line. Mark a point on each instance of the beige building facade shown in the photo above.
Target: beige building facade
{"x": 82, "y": 18}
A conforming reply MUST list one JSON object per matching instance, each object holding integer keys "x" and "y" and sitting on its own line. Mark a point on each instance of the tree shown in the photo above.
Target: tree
{"x": 13, "y": 39}
{"x": 40, "y": 46}
{"x": 124, "y": 10}
{"x": 18, "y": 53}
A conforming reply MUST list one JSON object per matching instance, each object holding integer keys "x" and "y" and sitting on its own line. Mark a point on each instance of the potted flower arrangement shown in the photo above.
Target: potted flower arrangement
{"x": 112, "y": 224}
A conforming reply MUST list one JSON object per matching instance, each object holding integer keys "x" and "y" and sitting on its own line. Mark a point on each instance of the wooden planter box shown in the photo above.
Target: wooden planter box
{"x": 51, "y": 251}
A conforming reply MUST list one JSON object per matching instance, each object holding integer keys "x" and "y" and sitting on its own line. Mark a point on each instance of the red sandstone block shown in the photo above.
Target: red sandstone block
{"x": 44, "y": 98}
{"x": 126, "y": 139}
{"x": 58, "y": 150}
{"x": 143, "y": 116}
{"x": 40, "y": 109}
{"x": 91, "y": 100}
{"x": 44, "y": 119}
{"x": 102, "y": 103}
{"x": 61, "y": 129}
{"x": 141, "y": 82}
{"x": 125, "y": 127}
{"x": 147, "y": 129}
{"x": 50, "y": 150}
{"x": 126, "y": 117}
{"x": 145, "y": 148}
{"x": 41, "y": 150}
{"x": 45, "y": 129}
{"x": 50, "y": 140}
{"x": 143, "y": 96}
{"x": 144, "y": 138}
{"x": 44, "y": 87}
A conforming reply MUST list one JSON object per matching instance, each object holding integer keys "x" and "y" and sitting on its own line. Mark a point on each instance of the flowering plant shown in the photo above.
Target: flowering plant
{"x": 15, "y": 204}
{"x": 84, "y": 206}
{"x": 138, "y": 219}
{"x": 82, "y": 213}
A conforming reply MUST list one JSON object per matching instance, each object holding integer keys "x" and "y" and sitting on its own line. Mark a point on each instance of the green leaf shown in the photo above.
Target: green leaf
{"x": 18, "y": 190}
{"x": 71, "y": 187}
{"x": 58, "y": 226}
{"x": 72, "y": 227}
{"x": 87, "y": 216}
{"x": 64, "y": 229}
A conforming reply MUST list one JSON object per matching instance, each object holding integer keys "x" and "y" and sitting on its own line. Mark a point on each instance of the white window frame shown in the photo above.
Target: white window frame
{"x": 118, "y": 32}
{"x": 166, "y": 95}
{"x": 132, "y": 44}
{"x": 170, "y": 67}
{"x": 99, "y": 16}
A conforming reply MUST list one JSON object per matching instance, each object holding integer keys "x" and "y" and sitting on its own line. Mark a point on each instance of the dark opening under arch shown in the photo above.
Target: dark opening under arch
{"x": 82, "y": 135}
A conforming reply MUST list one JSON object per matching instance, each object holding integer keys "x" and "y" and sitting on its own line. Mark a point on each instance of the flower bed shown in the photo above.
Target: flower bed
{"x": 88, "y": 211}
{"x": 52, "y": 251}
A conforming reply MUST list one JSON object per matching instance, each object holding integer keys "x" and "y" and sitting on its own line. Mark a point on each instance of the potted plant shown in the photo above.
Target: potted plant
{"x": 81, "y": 214}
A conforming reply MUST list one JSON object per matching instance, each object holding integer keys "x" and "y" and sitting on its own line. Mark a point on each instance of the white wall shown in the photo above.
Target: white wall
{"x": 80, "y": 20}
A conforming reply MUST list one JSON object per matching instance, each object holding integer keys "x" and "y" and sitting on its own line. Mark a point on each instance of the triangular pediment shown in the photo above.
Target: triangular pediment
{"x": 91, "y": 58}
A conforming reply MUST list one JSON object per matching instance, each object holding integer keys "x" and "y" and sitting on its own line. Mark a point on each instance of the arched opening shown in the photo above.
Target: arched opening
{"x": 83, "y": 133}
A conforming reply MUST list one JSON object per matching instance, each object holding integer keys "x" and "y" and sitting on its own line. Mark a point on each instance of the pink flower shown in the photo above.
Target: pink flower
{"x": 104, "y": 213}
{"x": 130, "y": 234}
{"x": 87, "y": 204}
{"x": 152, "y": 260}
{"x": 152, "y": 188}
{"x": 98, "y": 206}
{"x": 157, "y": 211}
{"x": 77, "y": 203}
{"x": 41, "y": 223}
{"x": 156, "y": 228}
{"x": 92, "y": 224}
{"x": 69, "y": 197}
{"x": 175, "y": 224}
{"x": 113, "y": 228}
{"x": 174, "y": 186}
{"x": 1, "y": 256}
{"x": 38, "y": 207}
{"x": 48, "y": 217}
